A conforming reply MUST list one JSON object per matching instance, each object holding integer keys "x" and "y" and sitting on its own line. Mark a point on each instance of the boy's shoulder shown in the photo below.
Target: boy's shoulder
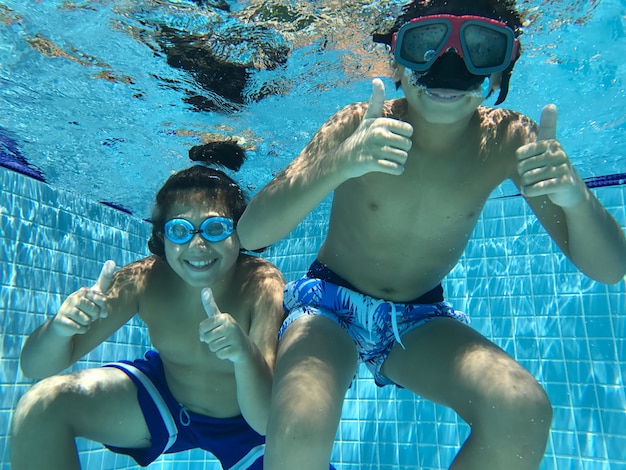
{"x": 504, "y": 117}
{"x": 258, "y": 281}
{"x": 133, "y": 280}
{"x": 506, "y": 123}
{"x": 395, "y": 108}
{"x": 350, "y": 116}
{"x": 141, "y": 267}
{"x": 259, "y": 270}
{"x": 138, "y": 273}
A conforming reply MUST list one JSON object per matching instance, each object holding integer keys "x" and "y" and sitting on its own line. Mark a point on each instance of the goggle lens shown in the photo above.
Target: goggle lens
{"x": 213, "y": 229}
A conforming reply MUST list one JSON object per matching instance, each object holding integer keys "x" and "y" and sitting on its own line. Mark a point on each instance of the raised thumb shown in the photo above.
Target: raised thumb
{"x": 105, "y": 277}
{"x": 547, "y": 123}
{"x": 208, "y": 302}
{"x": 377, "y": 100}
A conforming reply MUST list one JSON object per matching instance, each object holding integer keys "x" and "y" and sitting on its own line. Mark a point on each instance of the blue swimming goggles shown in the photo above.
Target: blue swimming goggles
{"x": 486, "y": 45}
{"x": 213, "y": 229}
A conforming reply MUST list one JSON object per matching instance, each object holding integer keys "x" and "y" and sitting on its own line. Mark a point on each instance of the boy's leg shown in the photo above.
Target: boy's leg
{"x": 509, "y": 413}
{"x": 315, "y": 365}
{"x": 97, "y": 404}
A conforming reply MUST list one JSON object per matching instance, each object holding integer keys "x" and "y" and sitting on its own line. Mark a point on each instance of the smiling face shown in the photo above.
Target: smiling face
{"x": 198, "y": 262}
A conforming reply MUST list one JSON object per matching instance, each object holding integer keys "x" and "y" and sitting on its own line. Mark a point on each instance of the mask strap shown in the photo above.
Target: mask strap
{"x": 504, "y": 84}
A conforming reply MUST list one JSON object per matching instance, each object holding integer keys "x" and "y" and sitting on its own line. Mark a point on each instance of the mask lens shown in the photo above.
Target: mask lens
{"x": 422, "y": 43}
{"x": 486, "y": 47}
{"x": 178, "y": 231}
{"x": 215, "y": 229}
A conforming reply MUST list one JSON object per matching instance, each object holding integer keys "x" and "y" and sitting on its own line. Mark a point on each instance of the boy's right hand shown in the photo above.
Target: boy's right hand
{"x": 221, "y": 332}
{"x": 84, "y": 306}
{"x": 379, "y": 144}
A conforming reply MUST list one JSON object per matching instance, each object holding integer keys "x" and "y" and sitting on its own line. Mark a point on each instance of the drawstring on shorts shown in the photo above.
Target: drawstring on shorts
{"x": 183, "y": 415}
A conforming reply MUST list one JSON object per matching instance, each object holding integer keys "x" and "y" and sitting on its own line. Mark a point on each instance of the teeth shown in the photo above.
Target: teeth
{"x": 199, "y": 264}
{"x": 443, "y": 94}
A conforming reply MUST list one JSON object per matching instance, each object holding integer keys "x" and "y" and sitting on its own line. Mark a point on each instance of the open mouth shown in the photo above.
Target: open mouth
{"x": 445, "y": 95}
{"x": 200, "y": 265}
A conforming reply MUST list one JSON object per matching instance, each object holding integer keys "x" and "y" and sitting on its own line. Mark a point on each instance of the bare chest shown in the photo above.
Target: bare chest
{"x": 196, "y": 376}
{"x": 432, "y": 203}
{"x": 174, "y": 331}
{"x": 398, "y": 236}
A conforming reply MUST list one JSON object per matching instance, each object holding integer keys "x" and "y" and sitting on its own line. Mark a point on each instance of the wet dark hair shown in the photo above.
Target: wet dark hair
{"x": 501, "y": 10}
{"x": 204, "y": 180}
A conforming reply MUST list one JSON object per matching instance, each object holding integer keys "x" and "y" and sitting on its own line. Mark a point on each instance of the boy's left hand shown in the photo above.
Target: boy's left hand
{"x": 545, "y": 169}
{"x": 221, "y": 332}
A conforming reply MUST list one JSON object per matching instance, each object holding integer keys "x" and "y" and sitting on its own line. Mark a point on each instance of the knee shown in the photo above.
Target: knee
{"x": 535, "y": 409}
{"x": 307, "y": 423}
{"x": 45, "y": 404}
{"x": 304, "y": 423}
{"x": 525, "y": 412}
{"x": 531, "y": 402}
{"x": 293, "y": 436}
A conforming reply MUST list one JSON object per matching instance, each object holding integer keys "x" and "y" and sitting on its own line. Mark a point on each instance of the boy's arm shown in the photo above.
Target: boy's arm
{"x": 353, "y": 142}
{"x": 588, "y": 235}
{"x": 85, "y": 319}
{"x": 254, "y": 378}
{"x": 253, "y": 354}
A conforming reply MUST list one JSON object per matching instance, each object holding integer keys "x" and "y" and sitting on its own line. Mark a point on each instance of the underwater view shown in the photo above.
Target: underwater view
{"x": 105, "y": 98}
{"x": 102, "y": 100}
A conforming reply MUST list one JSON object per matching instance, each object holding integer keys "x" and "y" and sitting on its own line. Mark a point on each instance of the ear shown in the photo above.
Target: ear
{"x": 397, "y": 71}
{"x": 236, "y": 242}
{"x": 495, "y": 81}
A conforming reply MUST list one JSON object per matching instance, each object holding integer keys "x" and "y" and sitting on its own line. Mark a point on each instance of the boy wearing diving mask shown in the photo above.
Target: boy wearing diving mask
{"x": 409, "y": 179}
{"x": 461, "y": 52}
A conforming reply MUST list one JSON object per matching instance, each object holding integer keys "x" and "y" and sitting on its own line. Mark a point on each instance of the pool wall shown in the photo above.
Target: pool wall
{"x": 519, "y": 290}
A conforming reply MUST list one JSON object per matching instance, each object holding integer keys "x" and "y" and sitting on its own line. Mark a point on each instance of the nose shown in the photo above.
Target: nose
{"x": 453, "y": 45}
{"x": 452, "y": 50}
{"x": 198, "y": 240}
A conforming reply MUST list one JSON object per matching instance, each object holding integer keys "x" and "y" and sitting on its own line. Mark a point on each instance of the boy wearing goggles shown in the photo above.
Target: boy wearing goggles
{"x": 213, "y": 315}
{"x": 409, "y": 178}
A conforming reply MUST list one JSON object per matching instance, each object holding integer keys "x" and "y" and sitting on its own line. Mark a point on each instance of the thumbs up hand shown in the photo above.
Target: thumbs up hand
{"x": 222, "y": 333}
{"x": 378, "y": 143}
{"x": 84, "y": 306}
{"x": 208, "y": 302}
{"x": 545, "y": 169}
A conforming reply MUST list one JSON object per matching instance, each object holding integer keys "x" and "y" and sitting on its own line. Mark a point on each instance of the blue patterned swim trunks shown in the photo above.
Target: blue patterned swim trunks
{"x": 375, "y": 325}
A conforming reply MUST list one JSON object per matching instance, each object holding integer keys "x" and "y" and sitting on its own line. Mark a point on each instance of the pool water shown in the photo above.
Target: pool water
{"x": 94, "y": 108}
